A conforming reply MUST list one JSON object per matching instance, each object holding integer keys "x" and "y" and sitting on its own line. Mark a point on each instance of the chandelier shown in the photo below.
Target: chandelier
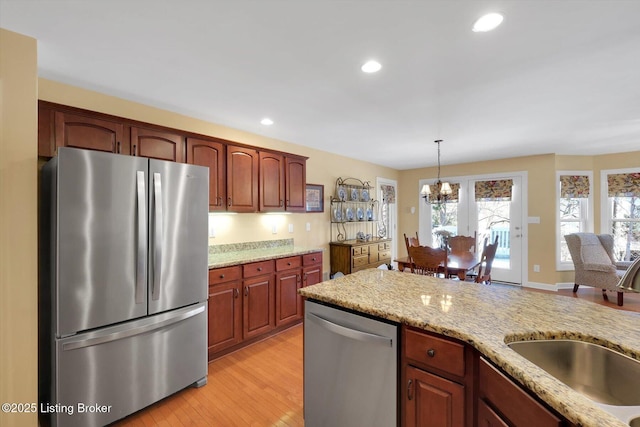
{"x": 440, "y": 191}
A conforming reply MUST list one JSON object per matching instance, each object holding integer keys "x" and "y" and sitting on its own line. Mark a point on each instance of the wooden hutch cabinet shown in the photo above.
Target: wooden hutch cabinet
{"x": 358, "y": 241}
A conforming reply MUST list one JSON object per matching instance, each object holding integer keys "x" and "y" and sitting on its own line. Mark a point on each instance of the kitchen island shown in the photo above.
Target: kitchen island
{"x": 487, "y": 318}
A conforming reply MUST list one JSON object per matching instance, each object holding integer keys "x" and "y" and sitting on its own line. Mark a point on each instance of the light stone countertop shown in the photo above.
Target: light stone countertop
{"x": 486, "y": 316}
{"x": 231, "y": 258}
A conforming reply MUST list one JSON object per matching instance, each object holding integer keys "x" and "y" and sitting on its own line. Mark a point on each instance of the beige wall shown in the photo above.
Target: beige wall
{"x": 18, "y": 225}
{"x": 322, "y": 167}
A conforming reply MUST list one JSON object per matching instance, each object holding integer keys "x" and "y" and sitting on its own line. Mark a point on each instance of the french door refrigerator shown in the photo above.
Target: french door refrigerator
{"x": 123, "y": 284}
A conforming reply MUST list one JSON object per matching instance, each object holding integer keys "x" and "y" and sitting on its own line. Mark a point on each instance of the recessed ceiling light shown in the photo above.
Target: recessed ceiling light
{"x": 487, "y": 22}
{"x": 266, "y": 121}
{"x": 371, "y": 67}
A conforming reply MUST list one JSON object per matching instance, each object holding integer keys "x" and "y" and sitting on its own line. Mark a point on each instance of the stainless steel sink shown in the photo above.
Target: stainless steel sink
{"x": 599, "y": 373}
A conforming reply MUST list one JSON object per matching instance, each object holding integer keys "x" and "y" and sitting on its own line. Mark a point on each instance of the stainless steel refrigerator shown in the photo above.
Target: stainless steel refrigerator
{"x": 123, "y": 284}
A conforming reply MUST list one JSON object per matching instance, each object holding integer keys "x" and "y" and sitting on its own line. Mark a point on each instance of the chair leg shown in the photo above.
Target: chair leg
{"x": 604, "y": 295}
{"x": 620, "y": 294}
{"x": 575, "y": 287}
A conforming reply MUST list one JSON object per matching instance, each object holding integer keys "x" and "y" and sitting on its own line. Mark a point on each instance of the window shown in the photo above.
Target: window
{"x": 574, "y": 212}
{"x": 621, "y": 218}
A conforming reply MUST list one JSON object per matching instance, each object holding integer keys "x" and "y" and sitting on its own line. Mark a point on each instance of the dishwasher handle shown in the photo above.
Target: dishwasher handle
{"x": 350, "y": 333}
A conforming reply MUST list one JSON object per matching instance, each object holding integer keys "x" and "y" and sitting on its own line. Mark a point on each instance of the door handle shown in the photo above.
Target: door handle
{"x": 350, "y": 333}
{"x": 157, "y": 236}
{"x": 409, "y": 389}
{"x": 141, "y": 268}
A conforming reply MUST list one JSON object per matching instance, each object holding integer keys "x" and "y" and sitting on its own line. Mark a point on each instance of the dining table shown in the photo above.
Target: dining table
{"x": 457, "y": 263}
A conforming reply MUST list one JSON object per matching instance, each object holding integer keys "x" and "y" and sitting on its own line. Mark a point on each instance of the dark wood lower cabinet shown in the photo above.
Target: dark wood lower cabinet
{"x": 447, "y": 383}
{"x": 250, "y": 301}
{"x": 258, "y": 307}
{"x": 433, "y": 401}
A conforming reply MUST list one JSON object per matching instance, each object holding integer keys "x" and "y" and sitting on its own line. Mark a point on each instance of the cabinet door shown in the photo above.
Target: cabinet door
{"x": 225, "y": 316}
{"x": 258, "y": 306}
{"x": 271, "y": 182}
{"x": 242, "y": 179}
{"x": 86, "y": 132}
{"x": 432, "y": 401}
{"x": 312, "y": 275}
{"x": 296, "y": 178}
{"x": 157, "y": 144}
{"x": 211, "y": 154}
{"x": 288, "y": 302}
{"x": 487, "y": 417}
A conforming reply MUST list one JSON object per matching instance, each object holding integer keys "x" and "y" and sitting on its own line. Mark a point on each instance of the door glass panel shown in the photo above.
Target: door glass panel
{"x": 444, "y": 222}
{"x": 494, "y": 220}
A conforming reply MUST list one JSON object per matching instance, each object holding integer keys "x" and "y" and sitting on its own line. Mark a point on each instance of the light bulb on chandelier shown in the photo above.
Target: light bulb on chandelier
{"x": 441, "y": 191}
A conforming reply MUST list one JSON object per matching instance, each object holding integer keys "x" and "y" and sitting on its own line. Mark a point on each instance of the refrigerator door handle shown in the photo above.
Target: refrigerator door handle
{"x": 353, "y": 334}
{"x": 104, "y": 337}
{"x": 141, "y": 262}
{"x": 157, "y": 236}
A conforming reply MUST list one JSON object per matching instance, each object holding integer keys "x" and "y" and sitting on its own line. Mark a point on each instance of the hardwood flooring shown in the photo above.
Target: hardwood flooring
{"x": 261, "y": 385}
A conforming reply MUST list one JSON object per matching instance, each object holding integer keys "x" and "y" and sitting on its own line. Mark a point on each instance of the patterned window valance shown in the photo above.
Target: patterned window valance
{"x": 455, "y": 190}
{"x": 624, "y": 185}
{"x": 574, "y": 186}
{"x": 494, "y": 190}
{"x": 388, "y": 193}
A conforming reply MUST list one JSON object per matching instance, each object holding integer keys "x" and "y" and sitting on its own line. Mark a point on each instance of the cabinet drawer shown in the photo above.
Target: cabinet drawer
{"x": 517, "y": 407}
{"x": 257, "y": 268}
{"x": 288, "y": 263}
{"x": 360, "y": 250}
{"x": 438, "y": 353}
{"x": 312, "y": 259}
{"x": 359, "y": 261}
{"x": 384, "y": 255}
{"x": 383, "y": 246}
{"x": 225, "y": 274}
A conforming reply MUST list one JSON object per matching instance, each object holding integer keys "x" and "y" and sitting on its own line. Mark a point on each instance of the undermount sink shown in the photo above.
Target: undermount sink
{"x": 599, "y": 373}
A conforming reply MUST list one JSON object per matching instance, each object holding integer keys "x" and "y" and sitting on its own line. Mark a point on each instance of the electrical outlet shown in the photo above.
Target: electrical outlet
{"x": 290, "y": 228}
{"x": 212, "y": 230}
{"x": 274, "y": 229}
{"x": 536, "y": 268}
{"x": 308, "y": 226}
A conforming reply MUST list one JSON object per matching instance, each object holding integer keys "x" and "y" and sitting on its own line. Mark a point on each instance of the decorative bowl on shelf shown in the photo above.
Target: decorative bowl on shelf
{"x": 342, "y": 194}
{"x": 360, "y": 214}
{"x": 365, "y": 195}
{"x": 354, "y": 195}
{"x": 349, "y": 214}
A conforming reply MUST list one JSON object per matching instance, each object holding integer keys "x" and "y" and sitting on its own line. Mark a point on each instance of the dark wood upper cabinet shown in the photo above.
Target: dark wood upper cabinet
{"x": 272, "y": 179}
{"x": 211, "y": 154}
{"x": 90, "y": 133}
{"x": 157, "y": 144}
{"x": 242, "y": 179}
{"x": 295, "y": 179}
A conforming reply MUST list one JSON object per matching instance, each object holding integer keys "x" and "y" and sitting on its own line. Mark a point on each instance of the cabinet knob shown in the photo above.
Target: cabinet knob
{"x": 222, "y": 276}
{"x": 431, "y": 352}
{"x": 259, "y": 268}
{"x": 313, "y": 259}
{"x": 289, "y": 263}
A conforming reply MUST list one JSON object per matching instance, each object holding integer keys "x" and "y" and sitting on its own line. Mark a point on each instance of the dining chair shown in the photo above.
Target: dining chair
{"x": 428, "y": 261}
{"x": 411, "y": 241}
{"x": 486, "y": 261}
{"x": 458, "y": 244}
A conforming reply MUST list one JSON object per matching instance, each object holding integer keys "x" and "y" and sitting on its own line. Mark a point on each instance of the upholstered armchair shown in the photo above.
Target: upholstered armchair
{"x": 594, "y": 262}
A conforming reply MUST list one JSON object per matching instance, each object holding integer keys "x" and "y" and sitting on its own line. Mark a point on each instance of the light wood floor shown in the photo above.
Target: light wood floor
{"x": 261, "y": 385}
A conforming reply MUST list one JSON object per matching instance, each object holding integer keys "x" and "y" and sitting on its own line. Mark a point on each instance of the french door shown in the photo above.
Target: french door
{"x": 501, "y": 220}
{"x": 489, "y": 218}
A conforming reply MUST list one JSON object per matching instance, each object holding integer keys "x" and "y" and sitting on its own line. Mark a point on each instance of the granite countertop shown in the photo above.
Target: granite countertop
{"x": 243, "y": 256}
{"x": 487, "y": 317}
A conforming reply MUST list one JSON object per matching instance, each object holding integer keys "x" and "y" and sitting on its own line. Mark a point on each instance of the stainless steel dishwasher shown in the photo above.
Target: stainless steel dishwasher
{"x": 350, "y": 369}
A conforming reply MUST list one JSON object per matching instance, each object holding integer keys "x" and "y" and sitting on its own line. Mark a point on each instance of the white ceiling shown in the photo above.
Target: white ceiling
{"x": 556, "y": 77}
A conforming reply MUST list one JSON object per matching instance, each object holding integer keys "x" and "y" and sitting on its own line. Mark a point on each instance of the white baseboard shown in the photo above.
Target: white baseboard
{"x": 547, "y": 286}
{"x": 542, "y": 286}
